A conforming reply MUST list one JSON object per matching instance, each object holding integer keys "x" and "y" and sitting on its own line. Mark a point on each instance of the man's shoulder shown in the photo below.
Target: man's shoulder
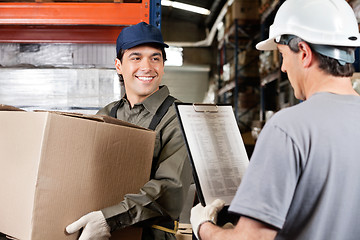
{"x": 107, "y": 109}
{"x": 294, "y": 117}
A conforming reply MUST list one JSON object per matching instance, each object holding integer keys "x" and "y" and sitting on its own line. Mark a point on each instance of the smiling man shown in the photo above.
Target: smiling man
{"x": 157, "y": 206}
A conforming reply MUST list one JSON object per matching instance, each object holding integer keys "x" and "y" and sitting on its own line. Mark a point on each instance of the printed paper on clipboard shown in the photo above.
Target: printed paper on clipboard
{"x": 216, "y": 149}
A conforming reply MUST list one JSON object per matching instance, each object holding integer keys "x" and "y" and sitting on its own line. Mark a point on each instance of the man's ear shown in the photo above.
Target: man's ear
{"x": 306, "y": 54}
{"x": 118, "y": 66}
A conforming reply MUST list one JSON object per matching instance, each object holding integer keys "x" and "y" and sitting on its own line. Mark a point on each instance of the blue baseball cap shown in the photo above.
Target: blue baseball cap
{"x": 139, "y": 34}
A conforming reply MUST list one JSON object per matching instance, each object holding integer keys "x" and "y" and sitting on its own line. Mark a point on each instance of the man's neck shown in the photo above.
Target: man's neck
{"x": 322, "y": 82}
{"x": 134, "y": 100}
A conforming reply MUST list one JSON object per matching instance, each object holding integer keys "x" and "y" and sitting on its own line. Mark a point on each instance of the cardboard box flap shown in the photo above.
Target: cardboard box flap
{"x": 98, "y": 118}
{"x": 108, "y": 119}
{"x": 9, "y": 108}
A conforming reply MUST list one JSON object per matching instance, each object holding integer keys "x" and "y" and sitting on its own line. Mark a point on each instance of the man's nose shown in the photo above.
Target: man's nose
{"x": 145, "y": 64}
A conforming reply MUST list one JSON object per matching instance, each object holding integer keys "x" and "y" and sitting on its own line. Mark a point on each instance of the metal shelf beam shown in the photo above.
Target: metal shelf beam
{"x": 68, "y": 22}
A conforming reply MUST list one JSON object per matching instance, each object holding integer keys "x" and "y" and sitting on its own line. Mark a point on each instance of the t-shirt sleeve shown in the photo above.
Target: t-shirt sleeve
{"x": 267, "y": 188}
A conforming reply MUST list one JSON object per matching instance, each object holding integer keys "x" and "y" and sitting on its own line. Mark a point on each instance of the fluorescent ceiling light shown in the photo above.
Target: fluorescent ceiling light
{"x": 186, "y": 7}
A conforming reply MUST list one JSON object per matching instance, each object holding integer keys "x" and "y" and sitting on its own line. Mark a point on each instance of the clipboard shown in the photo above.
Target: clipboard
{"x": 215, "y": 147}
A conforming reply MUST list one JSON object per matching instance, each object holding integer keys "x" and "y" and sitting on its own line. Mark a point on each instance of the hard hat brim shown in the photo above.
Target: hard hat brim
{"x": 267, "y": 45}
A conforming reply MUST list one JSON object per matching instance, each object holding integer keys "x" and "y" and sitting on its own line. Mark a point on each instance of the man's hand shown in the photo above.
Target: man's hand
{"x": 200, "y": 214}
{"x": 94, "y": 224}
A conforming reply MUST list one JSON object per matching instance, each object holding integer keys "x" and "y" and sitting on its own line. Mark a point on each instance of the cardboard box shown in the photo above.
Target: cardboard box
{"x": 245, "y": 10}
{"x": 56, "y": 167}
{"x": 229, "y": 21}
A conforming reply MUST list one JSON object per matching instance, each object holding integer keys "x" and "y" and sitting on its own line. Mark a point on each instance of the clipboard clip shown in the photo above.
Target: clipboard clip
{"x": 205, "y": 107}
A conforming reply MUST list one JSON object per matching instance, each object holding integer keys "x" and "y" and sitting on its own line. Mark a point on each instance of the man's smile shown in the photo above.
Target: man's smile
{"x": 145, "y": 78}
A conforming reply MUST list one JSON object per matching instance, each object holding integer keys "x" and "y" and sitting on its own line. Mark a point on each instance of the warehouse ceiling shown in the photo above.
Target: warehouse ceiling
{"x": 206, "y": 21}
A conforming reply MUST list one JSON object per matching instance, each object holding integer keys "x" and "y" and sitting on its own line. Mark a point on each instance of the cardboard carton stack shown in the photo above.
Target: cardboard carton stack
{"x": 245, "y": 10}
{"x": 56, "y": 167}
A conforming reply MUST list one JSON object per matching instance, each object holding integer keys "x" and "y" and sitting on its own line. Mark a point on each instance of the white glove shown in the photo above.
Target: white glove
{"x": 200, "y": 214}
{"x": 94, "y": 224}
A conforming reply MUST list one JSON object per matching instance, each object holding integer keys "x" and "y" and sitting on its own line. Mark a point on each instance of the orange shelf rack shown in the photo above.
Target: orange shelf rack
{"x": 68, "y": 22}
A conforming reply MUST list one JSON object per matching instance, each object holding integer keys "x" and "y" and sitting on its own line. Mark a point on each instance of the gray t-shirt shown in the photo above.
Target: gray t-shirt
{"x": 304, "y": 175}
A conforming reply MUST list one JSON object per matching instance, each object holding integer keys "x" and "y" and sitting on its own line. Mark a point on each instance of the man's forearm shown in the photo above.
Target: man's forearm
{"x": 246, "y": 228}
{"x": 209, "y": 230}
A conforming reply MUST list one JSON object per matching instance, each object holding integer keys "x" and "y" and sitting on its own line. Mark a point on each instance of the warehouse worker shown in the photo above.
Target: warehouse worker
{"x": 303, "y": 179}
{"x": 157, "y": 206}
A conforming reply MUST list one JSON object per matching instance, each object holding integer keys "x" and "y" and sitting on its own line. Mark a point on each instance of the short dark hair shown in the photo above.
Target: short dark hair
{"x": 121, "y": 52}
{"x": 327, "y": 64}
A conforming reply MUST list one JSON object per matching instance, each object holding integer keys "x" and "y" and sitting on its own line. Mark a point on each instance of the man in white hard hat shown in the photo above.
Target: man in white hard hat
{"x": 303, "y": 179}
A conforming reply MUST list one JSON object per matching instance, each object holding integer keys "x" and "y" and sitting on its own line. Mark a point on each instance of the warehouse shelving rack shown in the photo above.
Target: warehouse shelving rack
{"x": 73, "y": 22}
{"x": 239, "y": 37}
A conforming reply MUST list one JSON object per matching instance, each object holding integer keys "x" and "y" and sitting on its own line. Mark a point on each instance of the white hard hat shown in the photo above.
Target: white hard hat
{"x": 324, "y": 22}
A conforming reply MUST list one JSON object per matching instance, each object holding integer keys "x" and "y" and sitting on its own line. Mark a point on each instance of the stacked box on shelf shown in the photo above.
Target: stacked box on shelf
{"x": 249, "y": 98}
{"x": 228, "y": 19}
{"x": 245, "y": 10}
{"x": 248, "y": 103}
{"x": 242, "y": 10}
{"x": 249, "y": 63}
{"x": 269, "y": 62}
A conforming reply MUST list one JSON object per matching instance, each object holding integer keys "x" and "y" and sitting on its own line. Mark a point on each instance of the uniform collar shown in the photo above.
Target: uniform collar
{"x": 153, "y": 102}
